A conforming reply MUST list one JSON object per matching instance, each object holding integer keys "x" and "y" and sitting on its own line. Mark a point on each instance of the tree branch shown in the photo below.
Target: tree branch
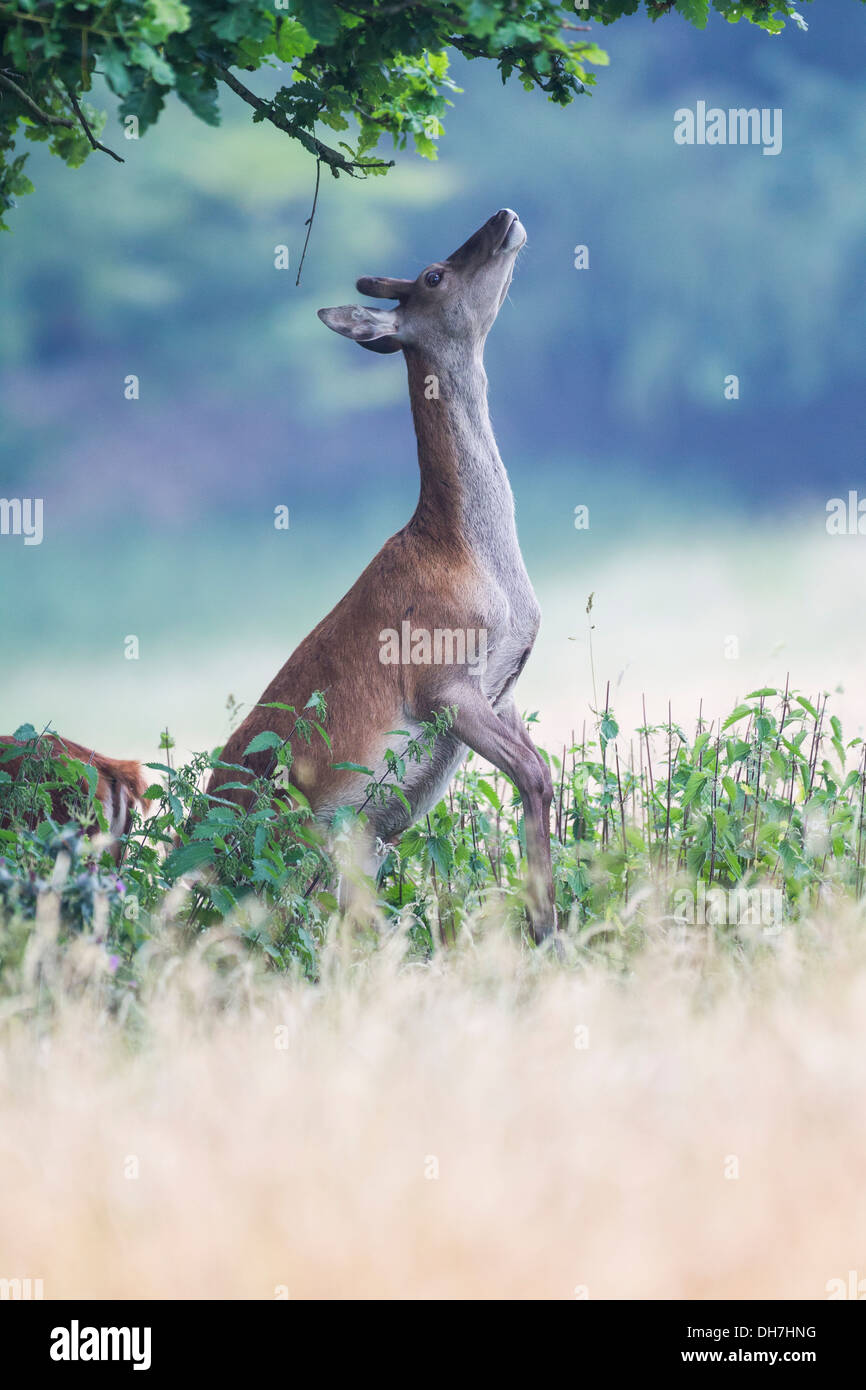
{"x": 43, "y": 117}
{"x": 47, "y": 118}
{"x": 88, "y": 132}
{"x": 336, "y": 162}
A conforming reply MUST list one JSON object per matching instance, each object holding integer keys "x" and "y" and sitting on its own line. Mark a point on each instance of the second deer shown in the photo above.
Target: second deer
{"x": 120, "y": 783}
{"x": 445, "y": 615}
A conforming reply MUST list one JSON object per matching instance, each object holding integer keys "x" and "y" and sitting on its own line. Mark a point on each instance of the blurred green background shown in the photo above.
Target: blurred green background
{"x": 707, "y": 516}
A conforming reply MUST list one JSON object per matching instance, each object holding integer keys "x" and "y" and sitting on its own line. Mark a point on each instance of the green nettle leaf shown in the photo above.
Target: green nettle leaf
{"x": 440, "y": 853}
{"x": 88, "y": 772}
{"x": 223, "y": 899}
{"x": 609, "y": 728}
{"x": 739, "y": 713}
{"x": 693, "y": 786}
{"x": 700, "y": 744}
{"x": 261, "y": 742}
{"x": 487, "y": 791}
{"x": 189, "y": 857}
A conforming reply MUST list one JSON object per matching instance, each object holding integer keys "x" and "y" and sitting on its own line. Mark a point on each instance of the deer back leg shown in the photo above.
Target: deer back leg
{"x": 501, "y": 739}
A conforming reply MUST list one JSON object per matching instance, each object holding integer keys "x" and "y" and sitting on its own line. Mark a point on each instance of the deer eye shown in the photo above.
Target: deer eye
{"x": 432, "y": 278}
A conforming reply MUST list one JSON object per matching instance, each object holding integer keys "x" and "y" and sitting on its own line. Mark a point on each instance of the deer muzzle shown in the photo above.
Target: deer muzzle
{"x": 502, "y": 232}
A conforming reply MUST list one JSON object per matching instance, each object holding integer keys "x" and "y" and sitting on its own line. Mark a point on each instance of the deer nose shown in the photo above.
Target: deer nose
{"x": 497, "y": 216}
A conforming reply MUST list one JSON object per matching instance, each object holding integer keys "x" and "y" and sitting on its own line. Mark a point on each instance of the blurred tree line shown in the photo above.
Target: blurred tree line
{"x": 702, "y": 262}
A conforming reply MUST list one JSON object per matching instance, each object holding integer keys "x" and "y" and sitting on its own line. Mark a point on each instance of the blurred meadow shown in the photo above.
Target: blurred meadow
{"x": 707, "y": 516}
{"x": 487, "y": 1125}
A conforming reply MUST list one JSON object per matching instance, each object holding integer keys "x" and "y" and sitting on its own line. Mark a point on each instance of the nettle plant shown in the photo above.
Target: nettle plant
{"x": 772, "y": 796}
{"x": 269, "y": 848}
{"x": 768, "y": 796}
{"x": 261, "y": 863}
{"x": 361, "y": 70}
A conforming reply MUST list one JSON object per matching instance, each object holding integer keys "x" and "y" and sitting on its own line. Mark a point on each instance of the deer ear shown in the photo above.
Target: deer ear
{"x": 383, "y": 287}
{"x": 375, "y": 329}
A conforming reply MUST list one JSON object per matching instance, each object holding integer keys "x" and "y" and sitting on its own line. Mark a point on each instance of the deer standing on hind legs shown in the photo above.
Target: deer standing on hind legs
{"x": 452, "y": 581}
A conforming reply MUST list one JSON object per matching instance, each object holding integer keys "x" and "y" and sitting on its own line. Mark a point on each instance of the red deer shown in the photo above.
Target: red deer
{"x": 445, "y": 615}
{"x": 120, "y": 784}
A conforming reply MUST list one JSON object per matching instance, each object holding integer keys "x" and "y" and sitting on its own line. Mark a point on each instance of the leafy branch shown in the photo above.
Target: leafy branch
{"x": 268, "y": 111}
{"x": 380, "y": 67}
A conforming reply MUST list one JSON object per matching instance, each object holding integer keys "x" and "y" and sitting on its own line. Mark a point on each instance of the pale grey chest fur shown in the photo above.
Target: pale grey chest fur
{"x": 504, "y": 602}
{"x": 510, "y": 608}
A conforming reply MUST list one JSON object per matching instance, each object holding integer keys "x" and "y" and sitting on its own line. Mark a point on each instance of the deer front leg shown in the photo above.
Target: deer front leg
{"x": 502, "y": 740}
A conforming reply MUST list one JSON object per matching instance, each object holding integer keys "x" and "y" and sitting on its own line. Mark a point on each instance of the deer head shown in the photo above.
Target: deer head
{"x": 451, "y": 305}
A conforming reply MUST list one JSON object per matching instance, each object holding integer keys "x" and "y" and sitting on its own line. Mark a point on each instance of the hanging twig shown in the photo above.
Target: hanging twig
{"x": 309, "y": 222}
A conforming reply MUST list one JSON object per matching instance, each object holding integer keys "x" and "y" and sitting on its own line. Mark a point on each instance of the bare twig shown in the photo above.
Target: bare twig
{"x": 309, "y": 222}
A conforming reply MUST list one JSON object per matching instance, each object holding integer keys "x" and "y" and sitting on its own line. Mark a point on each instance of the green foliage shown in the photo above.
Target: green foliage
{"x": 27, "y": 798}
{"x": 774, "y": 799}
{"x": 379, "y": 65}
{"x": 262, "y": 857}
{"x": 770, "y": 802}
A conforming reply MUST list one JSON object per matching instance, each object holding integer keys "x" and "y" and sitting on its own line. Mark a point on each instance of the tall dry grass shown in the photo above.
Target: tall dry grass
{"x": 442, "y": 1130}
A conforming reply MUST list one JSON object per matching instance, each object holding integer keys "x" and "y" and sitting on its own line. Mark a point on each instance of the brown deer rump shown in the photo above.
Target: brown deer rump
{"x": 121, "y": 783}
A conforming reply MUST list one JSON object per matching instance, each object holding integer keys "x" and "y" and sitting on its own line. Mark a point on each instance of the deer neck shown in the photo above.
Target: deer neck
{"x": 466, "y": 499}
